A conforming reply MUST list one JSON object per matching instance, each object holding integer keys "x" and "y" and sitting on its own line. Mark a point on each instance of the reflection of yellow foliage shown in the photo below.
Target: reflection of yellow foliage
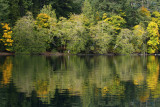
{"x": 104, "y": 90}
{"x": 115, "y": 88}
{"x": 144, "y": 97}
{"x": 153, "y": 72}
{"x": 42, "y": 88}
{"x": 156, "y": 92}
{"x": 7, "y": 71}
{"x": 138, "y": 79}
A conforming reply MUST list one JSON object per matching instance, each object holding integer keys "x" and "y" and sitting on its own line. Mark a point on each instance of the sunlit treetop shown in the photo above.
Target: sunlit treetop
{"x": 153, "y": 29}
{"x": 139, "y": 30}
{"x": 104, "y": 16}
{"x": 145, "y": 11}
{"x": 7, "y": 37}
{"x": 156, "y": 14}
{"x": 117, "y": 21}
{"x": 42, "y": 20}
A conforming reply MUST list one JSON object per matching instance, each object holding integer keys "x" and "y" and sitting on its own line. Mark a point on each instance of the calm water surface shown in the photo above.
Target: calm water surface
{"x": 79, "y": 81}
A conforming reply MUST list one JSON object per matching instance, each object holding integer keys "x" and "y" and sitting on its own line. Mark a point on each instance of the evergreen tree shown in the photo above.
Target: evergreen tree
{"x": 4, "y": 11}
{"x": 14, "y": 11}
{"x": 63, "y": 7}
{"x": 18, "y": 8}
{"x": 88, "y": 12}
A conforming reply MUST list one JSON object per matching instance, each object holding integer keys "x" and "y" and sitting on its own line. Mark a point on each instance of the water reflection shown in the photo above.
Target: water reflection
{"x": 87, "y": 81}
{"x": 6, "y": 69}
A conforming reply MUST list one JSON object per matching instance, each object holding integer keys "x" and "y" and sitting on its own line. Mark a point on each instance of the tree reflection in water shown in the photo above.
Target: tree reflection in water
{"x": 86, "y": 81}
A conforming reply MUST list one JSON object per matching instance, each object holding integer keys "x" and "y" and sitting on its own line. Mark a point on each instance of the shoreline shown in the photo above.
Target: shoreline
{"x": 6, "y": 54}
{"x": 64, "y": 54}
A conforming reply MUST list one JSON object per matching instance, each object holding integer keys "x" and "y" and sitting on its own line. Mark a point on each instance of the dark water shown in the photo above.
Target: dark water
{"x": 79, "y": 81}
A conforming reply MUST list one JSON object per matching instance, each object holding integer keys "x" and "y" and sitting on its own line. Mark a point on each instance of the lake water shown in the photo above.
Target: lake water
{"x": 79, "y": 81}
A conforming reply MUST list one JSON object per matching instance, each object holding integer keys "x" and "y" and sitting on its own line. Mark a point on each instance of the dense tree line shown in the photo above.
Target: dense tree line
{"x": 80, "y": 26}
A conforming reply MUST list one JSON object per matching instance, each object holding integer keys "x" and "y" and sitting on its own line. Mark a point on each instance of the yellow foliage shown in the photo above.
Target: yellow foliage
{"x": 156, "y": 18}
{"x": 122, "y": 13}
{"x": 145, "y": 11}
{"x": 116, "y": 21}
{"x": 139, "y": 31}
{"x": 7, "y": 38}
{"x": 104, "y": 16}
{"x": 156, "y": 14}
{"x": 153, "y": 34}
{"x": 153, "y": 29}
{"x": 42, "y": 20}
{"x": 97, "y": 16}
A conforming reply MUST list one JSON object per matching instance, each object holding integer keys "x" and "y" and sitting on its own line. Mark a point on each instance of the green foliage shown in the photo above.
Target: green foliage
{"x": 152, "y": 5}
{"x": 4, "y": 18}
{"x": 14, "y": 11}
{"x": 63, "y": 8}
{"x": 72, "y": 33}
{"x": 77, "y": 6}
{"x": 4, "y": 11}
{"x": 153, "y": 35}
{"x": 144, "y": 12}
{"x": 144, "y": 15}
{"x": 123, "y": 42}
{"x": 88, "y": 12}
{"x": 139, "y": 38}
{"x": 46, "y": 22}
{"x": 102, "y": 36}
{"x": 95, "y": 29}
{"x": 107, "y": 6}
{"x": 26, "y": 39}
{"x": 47, "y": 9}
{"x": 18, "y": 8}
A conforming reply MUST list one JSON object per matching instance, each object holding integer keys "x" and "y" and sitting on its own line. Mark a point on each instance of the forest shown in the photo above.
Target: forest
{"x": 80, "y": 26}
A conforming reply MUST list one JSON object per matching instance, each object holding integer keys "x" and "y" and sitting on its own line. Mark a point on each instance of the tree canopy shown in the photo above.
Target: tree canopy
{"x": 81, "y": 26}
